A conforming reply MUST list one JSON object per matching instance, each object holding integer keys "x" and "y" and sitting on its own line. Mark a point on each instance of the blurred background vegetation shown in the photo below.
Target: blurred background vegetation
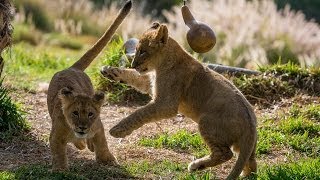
{"x": 250, "y": 33}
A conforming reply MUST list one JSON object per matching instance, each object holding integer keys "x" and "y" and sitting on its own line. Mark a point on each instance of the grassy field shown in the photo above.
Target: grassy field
{"x": 288, "y": 125}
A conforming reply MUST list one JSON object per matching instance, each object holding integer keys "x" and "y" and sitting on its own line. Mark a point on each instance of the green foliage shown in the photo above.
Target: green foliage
{"x": 26, "y": 33}
{"x": 285, "y": 55}
{"x": 303, "y": 169}
{"x": 35, "y": 10}
{"x": 64, "y": 41}
{"x": 117, "y": 92}
{"x": 12, "y": 121}
{"x": 180, "y": 141}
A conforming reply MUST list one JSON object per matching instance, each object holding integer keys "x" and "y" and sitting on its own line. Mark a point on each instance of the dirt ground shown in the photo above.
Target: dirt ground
{"x": 33, "y": 148}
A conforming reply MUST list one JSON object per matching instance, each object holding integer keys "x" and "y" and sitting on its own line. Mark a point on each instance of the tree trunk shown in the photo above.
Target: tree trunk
{"x": 6, "y": 13}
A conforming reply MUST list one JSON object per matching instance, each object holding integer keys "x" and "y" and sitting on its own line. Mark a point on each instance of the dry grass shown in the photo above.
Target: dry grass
{"x": 249, "y": 32}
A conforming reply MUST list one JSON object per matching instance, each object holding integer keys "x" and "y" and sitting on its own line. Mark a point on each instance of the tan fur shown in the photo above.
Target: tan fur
{"x": 74, "y": 107}
{"x": 182, "y": 84}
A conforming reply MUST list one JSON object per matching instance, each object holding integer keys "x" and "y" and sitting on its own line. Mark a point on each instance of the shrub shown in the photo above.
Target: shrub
{"x": 12, "y": 121}
{"x": 35, "y": 10}
{"x": 311, "y": 8}
{"x": 306, "y": 79}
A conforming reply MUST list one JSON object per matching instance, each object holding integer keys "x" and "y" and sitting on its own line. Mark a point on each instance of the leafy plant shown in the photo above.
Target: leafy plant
{"x": 12, "y": 121}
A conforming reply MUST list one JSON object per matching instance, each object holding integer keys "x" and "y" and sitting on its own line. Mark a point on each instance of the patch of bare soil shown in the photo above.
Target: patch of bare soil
{"x": 33, "y": 148}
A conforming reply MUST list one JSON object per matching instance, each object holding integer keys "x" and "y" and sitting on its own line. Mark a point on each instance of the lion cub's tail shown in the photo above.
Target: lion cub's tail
{"x": 93, "y": 52}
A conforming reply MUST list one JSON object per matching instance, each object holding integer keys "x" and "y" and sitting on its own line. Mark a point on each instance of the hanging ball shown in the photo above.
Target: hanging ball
{"x": 200, "y": 36}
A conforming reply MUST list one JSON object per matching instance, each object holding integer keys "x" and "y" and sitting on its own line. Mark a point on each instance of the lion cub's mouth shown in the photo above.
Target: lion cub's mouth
{"x": 141, "y": 69}
{"x": 81, "y": 134}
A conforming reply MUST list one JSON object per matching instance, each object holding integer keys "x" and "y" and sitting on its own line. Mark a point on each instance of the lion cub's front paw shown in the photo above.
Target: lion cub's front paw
{"x": 119, "y": 131}
{"x": 112, "y": 73}
{"x": 59, "y": 169}
{"x": 111, "y": 160}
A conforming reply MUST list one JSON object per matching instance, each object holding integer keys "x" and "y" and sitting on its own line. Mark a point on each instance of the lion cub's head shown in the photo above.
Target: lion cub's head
{"x": 148, "y": 54}
{"x": 81, "y": 111}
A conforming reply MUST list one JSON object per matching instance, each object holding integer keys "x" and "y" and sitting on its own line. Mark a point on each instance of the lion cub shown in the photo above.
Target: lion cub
{"x": 181, "y": 84}
{"x": 75, "y": 109}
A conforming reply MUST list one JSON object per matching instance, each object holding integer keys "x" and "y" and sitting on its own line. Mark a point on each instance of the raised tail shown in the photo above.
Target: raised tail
{"x": 93, "y": 52}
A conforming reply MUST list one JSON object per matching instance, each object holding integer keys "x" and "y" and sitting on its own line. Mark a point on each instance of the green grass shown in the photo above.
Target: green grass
{"x": 26, "y": 65}
{"x": 300, "y": 170}
{"x": 165, "y": 169}
{"x": 295, "y": 130}
{"x": 181, "y": 141}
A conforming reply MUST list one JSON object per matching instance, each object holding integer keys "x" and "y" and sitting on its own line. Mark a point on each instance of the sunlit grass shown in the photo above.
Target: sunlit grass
{"x": 181, "y": 141}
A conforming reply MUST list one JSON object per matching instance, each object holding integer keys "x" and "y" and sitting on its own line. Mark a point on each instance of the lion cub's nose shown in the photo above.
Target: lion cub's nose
{"x": 82, "y": 128}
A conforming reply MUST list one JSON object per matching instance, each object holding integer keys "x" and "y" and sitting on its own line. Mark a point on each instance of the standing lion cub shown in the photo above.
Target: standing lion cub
{"x": 75, "y": 109}
{"x": 181, "y": 84}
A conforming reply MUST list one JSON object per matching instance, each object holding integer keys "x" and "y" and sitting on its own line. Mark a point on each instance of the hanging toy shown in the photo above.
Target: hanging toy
{"x": 200, "y": 36}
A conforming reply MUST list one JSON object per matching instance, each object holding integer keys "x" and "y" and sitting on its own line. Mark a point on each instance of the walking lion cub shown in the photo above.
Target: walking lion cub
{"x": 74, "y": 107}
{"x": 181, "y": 84}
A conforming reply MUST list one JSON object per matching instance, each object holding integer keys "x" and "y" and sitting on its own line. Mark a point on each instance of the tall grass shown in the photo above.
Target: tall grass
{"x": 251, "y": 33}
{"x": 12, "y": 121}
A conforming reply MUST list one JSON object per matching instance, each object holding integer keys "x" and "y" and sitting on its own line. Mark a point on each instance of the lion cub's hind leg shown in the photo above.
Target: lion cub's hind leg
{"x": 220, "y": 152}
{"x": 251, "y": 165}
{"x": 219, "y": 155}
{"x": 101, "y": 149}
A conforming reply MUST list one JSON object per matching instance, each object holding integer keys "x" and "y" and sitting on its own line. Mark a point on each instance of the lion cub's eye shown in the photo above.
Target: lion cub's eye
{"x": 90, "y": 115}
{"x": 142, "y": 52}
{"x": 75, "y": 113}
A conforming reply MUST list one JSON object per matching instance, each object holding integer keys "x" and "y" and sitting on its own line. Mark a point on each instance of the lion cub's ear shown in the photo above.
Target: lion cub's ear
{"x": 155, "y": 25}
{"x": 161, "y": 36}
{"x": 98, "y": 98}
{"x": 66, "y": 94}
